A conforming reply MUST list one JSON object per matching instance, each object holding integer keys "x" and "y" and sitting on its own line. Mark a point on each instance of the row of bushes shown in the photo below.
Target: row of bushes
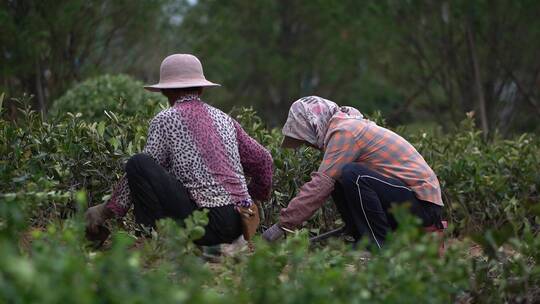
{"x": 488, "y": 185}
{"x": 485, "y": 184}
{"x": 54, "y": 264}
{"x": 491, "y": 194}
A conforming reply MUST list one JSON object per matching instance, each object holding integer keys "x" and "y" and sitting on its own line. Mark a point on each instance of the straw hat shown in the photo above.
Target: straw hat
{"x": 180, "y": 71}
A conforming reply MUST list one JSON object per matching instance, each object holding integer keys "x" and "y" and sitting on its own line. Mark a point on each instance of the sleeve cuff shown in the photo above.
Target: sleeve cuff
{"x": 116, "y": 210}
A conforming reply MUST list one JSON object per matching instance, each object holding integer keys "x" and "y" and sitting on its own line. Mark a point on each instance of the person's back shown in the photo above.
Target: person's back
{"x": 383, "y": 150}
{"x": 202, "y": 152}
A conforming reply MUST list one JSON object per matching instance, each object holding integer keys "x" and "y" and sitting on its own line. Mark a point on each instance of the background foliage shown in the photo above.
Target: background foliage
{"x": 419, "y": 62}
{"x": 48, "y": 45}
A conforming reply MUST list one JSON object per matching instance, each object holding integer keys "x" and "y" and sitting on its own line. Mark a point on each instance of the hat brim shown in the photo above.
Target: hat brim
{"x": 180, "y": 85}
{"x": 291, "y": 143}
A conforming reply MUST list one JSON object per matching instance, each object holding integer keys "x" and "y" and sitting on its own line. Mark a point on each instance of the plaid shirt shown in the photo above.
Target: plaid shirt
{"x": 383, "y": 151}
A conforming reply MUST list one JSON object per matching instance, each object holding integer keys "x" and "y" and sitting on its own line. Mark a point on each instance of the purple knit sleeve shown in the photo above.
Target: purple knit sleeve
{"x": 120, "y": 200}
{"x": 257, "y": 164}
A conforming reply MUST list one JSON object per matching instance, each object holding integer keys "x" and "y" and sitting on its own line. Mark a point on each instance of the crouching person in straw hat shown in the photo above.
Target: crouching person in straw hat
{"x": 366, "y": 169}
{"x": 195, "y": 158}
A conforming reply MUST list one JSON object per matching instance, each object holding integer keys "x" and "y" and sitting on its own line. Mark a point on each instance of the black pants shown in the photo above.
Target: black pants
{"x": 157, "y": 194}
{"x": 364, "y": 197}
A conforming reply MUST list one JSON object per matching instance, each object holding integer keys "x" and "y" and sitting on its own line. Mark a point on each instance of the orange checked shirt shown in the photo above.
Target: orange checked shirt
{"x": 381, "y": 150}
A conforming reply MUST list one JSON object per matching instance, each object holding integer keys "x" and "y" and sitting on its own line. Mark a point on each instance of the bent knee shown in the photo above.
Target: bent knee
{"x": 350, "y": 173}
{"x": 137, "y": 161}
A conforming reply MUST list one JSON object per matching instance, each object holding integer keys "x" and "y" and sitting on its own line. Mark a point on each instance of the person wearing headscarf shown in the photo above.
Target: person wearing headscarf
{"x": 366, "y": 169}
{"x": 196, "y": 157}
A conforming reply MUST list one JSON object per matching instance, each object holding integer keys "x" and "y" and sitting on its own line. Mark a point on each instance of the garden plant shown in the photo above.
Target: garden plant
{"x": 53, "y": 168}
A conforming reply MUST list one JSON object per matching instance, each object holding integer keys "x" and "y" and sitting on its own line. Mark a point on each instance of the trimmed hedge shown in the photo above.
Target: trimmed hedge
{"x": 491, "y": 194}
{"x": 116, "y": 93}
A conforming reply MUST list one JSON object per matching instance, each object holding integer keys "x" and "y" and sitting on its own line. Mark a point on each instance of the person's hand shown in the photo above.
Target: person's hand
{"x": 246, "y": 212}
{"x": 96, "y": 216}
{"x": 250, "y": 220}
{"x": 273, "y": 233}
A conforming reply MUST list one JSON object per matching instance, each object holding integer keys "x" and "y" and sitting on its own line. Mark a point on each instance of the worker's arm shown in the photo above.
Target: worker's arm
{"x": 257, "y": 164}
{"x": 310, "y": 198}
{"x": 340, "y": 150}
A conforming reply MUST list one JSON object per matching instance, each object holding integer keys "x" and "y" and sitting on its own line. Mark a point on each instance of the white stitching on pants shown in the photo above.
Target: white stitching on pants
{"x": 365, "y": 215}
{"x": 397, "y": 186}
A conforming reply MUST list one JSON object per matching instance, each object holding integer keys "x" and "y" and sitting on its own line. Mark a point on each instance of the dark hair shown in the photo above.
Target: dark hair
{"x": 181, "y": 91}
{"x": 173, "y": 94}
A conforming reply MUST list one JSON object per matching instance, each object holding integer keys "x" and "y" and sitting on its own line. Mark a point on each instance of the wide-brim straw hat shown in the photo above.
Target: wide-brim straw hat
{"x": 180, "y": 71}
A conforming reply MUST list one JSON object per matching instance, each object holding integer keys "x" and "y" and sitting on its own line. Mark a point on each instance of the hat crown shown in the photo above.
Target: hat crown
{"x": 180, "y": 71}
{"x": 180, "y": 67}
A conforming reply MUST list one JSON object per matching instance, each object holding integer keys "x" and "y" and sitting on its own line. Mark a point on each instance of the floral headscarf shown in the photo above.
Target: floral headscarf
{"x": 310, "y": 116}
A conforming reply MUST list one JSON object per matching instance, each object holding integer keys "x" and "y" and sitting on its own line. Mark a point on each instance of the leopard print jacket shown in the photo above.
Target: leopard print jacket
{"x": 208, "y": 152}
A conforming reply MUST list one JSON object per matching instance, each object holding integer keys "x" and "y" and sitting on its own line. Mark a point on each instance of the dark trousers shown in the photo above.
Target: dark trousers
{"x": 364, "y": 197}
{"x": 157, "y": 194}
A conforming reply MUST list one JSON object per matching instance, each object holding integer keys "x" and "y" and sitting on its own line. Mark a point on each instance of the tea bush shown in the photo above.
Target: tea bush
{"x": 117, "y": 93}
{"x": 491, "y": 194}
{"x": 55, "y": 265}
{"x": 486, "y": 184}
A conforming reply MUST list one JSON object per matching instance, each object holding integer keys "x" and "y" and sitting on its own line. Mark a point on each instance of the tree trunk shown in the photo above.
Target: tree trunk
{"x": 39, "y": 89}
{"x": 478, "y": 82}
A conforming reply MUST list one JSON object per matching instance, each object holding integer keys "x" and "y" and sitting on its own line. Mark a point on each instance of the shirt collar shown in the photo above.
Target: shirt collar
{"x": 187, "y": 97}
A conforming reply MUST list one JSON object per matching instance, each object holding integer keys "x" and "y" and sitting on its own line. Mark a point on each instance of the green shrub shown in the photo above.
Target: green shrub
{"x": 64, "y": 155}
{"x": 116, "y": 93}
{"x": 486, "y": 184}
{"x": 57, "y": 266}
{"x": 491, "y": 194}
